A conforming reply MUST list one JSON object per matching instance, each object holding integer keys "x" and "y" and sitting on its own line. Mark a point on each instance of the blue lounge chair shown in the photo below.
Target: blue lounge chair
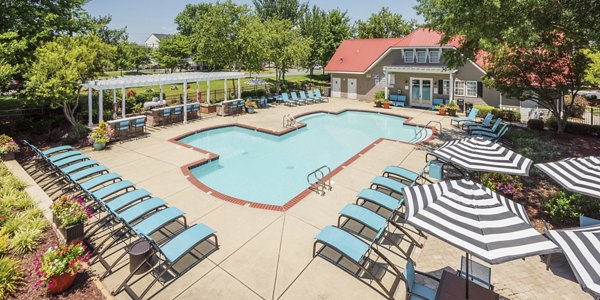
{"x": 313, "y": 97}
{"x": 355, "y": 250}
{"x": 305, "y": 99}
{"x": 381, "y": 200}
{"x": 70, "y": 160}
{"x": 488, "y": 129}
{"x": 124, "y": 200}
{"x": 79, "y": 166}
{"x": 393, "y": 186}
{"x": 318, "y": 95}
{"x": 79, "y": 176}
{"x": 169, "y": 254}
{"x": 100, "y": 180}
{"x": 296, "y": 99}
{"x": 493, "y": 136}
{"x": 485, "y": 123}
{"x": 587, "y": 221}
{"x": 398, "y": 100}
{"x": 471, "y": 117}
{"x": 109, "y": 190}
{"x": 371, "y": 220}
{"x": 286, "y": 99}
{"x": 56, "y": 150}
{"x": 436, "y": 102}
{"x": 63, "y": 155}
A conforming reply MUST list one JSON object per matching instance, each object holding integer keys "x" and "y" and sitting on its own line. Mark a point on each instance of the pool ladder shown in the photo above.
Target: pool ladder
{"x": 289, "y": 121}
{"x": 319, "y": 180}
{"x": 418, "y": 133}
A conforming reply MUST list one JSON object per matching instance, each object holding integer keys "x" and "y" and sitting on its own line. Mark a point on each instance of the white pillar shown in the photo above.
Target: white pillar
{"x": 184, "y": 102}
{"x": 161, "y": 93}
{"x": 239, "y": 88}
{"x": 100, "y": 108}
{"x": 500, "y": 100}
{"x": 208, "y": 91}
{"x": 387, "y": 92}
{"x": 123, "y": 102}
{"x": 90, "y": 122}
{"x": 197, "y": 90}
{"x": 451, "y": 86}
{"x": 115, "y": 103}
{"x": 225, "y": 87}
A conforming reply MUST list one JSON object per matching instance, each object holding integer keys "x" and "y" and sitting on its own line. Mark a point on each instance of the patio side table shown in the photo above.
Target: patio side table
{"x": 138, "y": 253}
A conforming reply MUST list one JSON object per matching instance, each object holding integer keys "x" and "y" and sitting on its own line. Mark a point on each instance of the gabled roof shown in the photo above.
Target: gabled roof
{"x": 357, "y": 56}
{"x": 162, "y": 36}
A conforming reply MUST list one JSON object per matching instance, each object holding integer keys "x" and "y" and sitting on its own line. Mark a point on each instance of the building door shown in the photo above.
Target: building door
{"x": 336, "y": 87}
{"x": 352, "y": 88}
{"x": 420, "y": 91}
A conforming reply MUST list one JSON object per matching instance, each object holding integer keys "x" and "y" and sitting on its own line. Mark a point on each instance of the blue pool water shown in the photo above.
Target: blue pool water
{"x": 268, "y": 169}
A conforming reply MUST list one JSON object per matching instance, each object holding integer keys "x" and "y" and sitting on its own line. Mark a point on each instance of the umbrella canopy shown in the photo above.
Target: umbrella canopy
{"x": 480, "y": 155}
{"x": 256, "y": 81}
{"x": 580, "y": 175}
{"x": 581, "y": 246}
{"x": 476, "y": 220}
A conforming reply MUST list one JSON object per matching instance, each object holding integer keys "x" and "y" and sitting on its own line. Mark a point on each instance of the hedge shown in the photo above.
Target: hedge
{"x": 576, "y": 128}
{"x": 535, "y": 124}
{"x": 505, "y": 114}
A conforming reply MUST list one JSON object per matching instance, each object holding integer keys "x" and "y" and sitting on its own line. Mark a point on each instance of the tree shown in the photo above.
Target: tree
{"x": 191, "y": 14}
{"x": 253, "y": 52}
{"x": 337, "y": 29}
{"x": 173, "y": 53}
{"x": 59, "y": 68}
{"x": 10, "y": 45}
{"x": 140, "y": 55}
{"x": 592, "y": 74}
{"x": 385, "y": 24}
{"x": 552, "y": 43}
{"x": 122, "y": 59}
{"x": 313, "y": 25}
{"x": 288, "y": 47}
{"x": 291, "y": 10}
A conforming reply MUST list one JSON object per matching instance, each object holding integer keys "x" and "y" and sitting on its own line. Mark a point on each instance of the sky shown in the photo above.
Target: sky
{"x": 144, "y": 17}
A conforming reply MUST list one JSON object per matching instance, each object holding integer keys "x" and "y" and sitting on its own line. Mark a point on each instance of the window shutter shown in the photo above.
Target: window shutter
{"x": 479, "y": 89}
{"x": 440, "y": 87}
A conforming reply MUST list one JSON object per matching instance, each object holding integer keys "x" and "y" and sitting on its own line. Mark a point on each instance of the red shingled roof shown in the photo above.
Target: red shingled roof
{"x": 358, "y": 55}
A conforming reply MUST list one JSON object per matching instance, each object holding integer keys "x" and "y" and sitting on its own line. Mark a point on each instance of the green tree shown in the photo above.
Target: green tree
{"x": 191, "y": 14}
{"x": 385, "y": 24}
{"x": 291, "y": 10}
{"x": 122, "y": 59}
{"x": 551, "y": 36}
{"x": 59, "y": 67}
{"x": 140, "y": 55}
{"x": 253, "y": 52}
{"x": 592, "y": 75}
{"x": 288, "y": 47}
{"x": 173, "y": 53}
{"x": 10, "y": 45}
{"x": 313, "y": 25}
{"x": 337, "y": 29}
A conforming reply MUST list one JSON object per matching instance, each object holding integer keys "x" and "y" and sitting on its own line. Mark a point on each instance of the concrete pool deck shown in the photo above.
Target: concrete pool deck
{"x": 266, "y": 254}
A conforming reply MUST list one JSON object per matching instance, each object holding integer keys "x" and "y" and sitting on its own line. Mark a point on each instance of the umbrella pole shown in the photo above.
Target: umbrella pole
{"x": 467, "y": 277}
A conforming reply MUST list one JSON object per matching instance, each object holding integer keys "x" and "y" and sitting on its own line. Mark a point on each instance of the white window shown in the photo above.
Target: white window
{"x": 409, "y": 56}
{"x": 421, "y": 56}
{"x": 459, "y": 88}
{"x": 446, "y": 87}
{"x": 471, "y": 88}
{"x": 434, "y": 56}
{"x": 391, "y": 79}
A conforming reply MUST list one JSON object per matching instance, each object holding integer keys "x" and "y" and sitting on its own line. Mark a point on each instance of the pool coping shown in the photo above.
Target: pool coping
{"x": 186, "y": 169}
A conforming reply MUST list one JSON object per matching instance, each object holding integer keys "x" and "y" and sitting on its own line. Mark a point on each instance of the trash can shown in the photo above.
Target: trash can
{"x": 327, "y": 92}
{"x": 468, "y": 107}
{"x": 461, "y": 104}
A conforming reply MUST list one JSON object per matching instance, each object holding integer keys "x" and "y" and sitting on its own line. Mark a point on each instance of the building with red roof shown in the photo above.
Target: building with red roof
{"x": 410, "y": 70}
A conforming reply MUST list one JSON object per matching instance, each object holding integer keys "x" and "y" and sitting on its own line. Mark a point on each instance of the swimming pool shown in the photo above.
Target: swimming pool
{"x": 264, "y": 168}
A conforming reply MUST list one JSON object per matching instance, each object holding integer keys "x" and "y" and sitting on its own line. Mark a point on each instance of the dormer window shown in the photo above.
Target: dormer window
{"x": 421, "y": 56}
{"x": 409, "y": 56}
{"x": 434, "y": 56}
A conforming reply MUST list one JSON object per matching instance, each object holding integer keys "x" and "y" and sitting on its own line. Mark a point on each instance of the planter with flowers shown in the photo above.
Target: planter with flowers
{"x": 250, "y": 106}
{"x": 8, "y": 147}
{"x": 69, "y": 214}
{"x": 58, "y": 267}
{"x": 441, "y": 109}
{"x": 100, "y": 136}
{"x": 451, "y": 108}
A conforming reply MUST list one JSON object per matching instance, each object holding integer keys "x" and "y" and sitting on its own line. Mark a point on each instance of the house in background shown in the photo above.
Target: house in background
{"x": 410, "y": 66}
{"x": 153, "y": 41}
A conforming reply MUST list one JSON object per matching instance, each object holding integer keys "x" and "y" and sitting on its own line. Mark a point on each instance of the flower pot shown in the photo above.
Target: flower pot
{"x": 442, "y": 112}
{"x": 59, "y": 284}
{"x": 386, "y": 105}
{"x": 452, "y": 112}
{"x": 377, "y": 103}
{"x": 250, "y": 109}
{"x": 73, "y": 233}
{"x": 99, "y": 146}
{"x": 8, "y": 156}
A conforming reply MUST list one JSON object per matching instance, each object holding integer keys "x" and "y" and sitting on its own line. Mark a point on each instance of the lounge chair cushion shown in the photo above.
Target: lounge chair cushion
{"x": 380, "y": 199}
{"x": 87, "y": 172}
{"x": 389, "y": 183}
{"x": 157, "y": 220}
{"x": 67, "y": 161}
{"x": 78, "y": 166}
{"x": 126, "y": 199}
{"x": 351, "y": 246}
{"x": 135, "y": 212}
{"x": 401, "y": 172}
{"x": 63, "y": 155}
{"x": 56, "y": 149}
{"x": 112, "y": 189}
{"x": 99, "y": 180}
{"x": 183, "y": 242}
{"x": 366, "y": 217}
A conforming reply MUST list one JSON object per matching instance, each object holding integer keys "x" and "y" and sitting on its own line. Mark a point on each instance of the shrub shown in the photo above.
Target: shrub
{"x": 575, "y": 128}
{"x": 535, "y": 124}
{"x": 483, "y": 110}
{"x": 504, "y": 184}
{"x": 505, "y": 114}
{"x": 7, "y": 144}
{"x": 579, "y": 106}
{"x": 25, "y": 240}
{"x": 17, "y": 199}
{"x": 4, "y": 242}
{"x": 379, "y": 95}
{"x": 565, "y": 208}
{"x": 11, "y": 276}
{"x": 529, "y": 144}
{"x": 12, "y": 225}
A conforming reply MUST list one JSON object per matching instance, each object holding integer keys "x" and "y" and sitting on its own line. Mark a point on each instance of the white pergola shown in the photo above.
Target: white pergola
{"x": 125, "y": 82}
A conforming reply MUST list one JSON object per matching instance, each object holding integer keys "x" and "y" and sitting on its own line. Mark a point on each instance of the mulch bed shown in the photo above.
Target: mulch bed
{"x": 82, "y": 288}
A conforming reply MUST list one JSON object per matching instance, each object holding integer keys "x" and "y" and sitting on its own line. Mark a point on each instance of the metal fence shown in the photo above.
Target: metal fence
{"x": 590, "y": 117}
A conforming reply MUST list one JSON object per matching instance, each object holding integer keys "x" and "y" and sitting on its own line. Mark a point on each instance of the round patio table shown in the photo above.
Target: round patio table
{"x": 139, "y": 252}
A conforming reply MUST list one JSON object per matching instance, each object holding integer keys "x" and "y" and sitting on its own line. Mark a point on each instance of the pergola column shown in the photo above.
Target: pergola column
{"x": 387, "y": 91}
{"x": 208, "y": 91}
{"x": 239, "y": 88}
{"x": 184, "y": 102}
{"x": 451, "y": 86}
{"x": 115, "y": 103}
{"x": 100, "y": 108}
{"x": 161, "y": 93}
{"x": 123, "y": 102}
{"x": 225, "y": 87}
{"x": 90, "y": 121}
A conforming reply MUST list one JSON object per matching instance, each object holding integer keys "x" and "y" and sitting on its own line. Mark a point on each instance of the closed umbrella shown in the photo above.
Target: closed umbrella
{"x": 255, "y": 82}
{"x": 479, "y": 155}
{"x": 580, "y": 175}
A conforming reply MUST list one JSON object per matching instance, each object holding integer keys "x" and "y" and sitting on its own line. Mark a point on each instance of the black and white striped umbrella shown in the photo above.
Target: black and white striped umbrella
{"x": 475, "y": 219}
{"x": 581, "y": 246}
{"x": 580, "y": 175}
{"x": 480, "y": 155}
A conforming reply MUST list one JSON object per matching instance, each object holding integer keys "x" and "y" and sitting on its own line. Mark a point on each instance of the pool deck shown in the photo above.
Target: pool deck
{"x": 266, "y": 254}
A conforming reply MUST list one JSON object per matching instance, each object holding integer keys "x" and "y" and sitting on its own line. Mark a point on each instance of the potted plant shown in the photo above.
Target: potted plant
{"x": 69, "y": 215}
{"x": 8, "y": 147}
{"x": 386, "y": 104}
{"x": 58, "y": 267}
{"x": 250, "y": 106}
{"x": 379, "y": 98}
{"x": 452, "y": 108}
{"x": 100, "y": 136}
{"x": 441, "y": 109}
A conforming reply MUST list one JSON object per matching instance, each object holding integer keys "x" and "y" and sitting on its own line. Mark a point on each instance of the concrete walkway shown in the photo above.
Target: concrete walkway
{"x": 267, "y": 254}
